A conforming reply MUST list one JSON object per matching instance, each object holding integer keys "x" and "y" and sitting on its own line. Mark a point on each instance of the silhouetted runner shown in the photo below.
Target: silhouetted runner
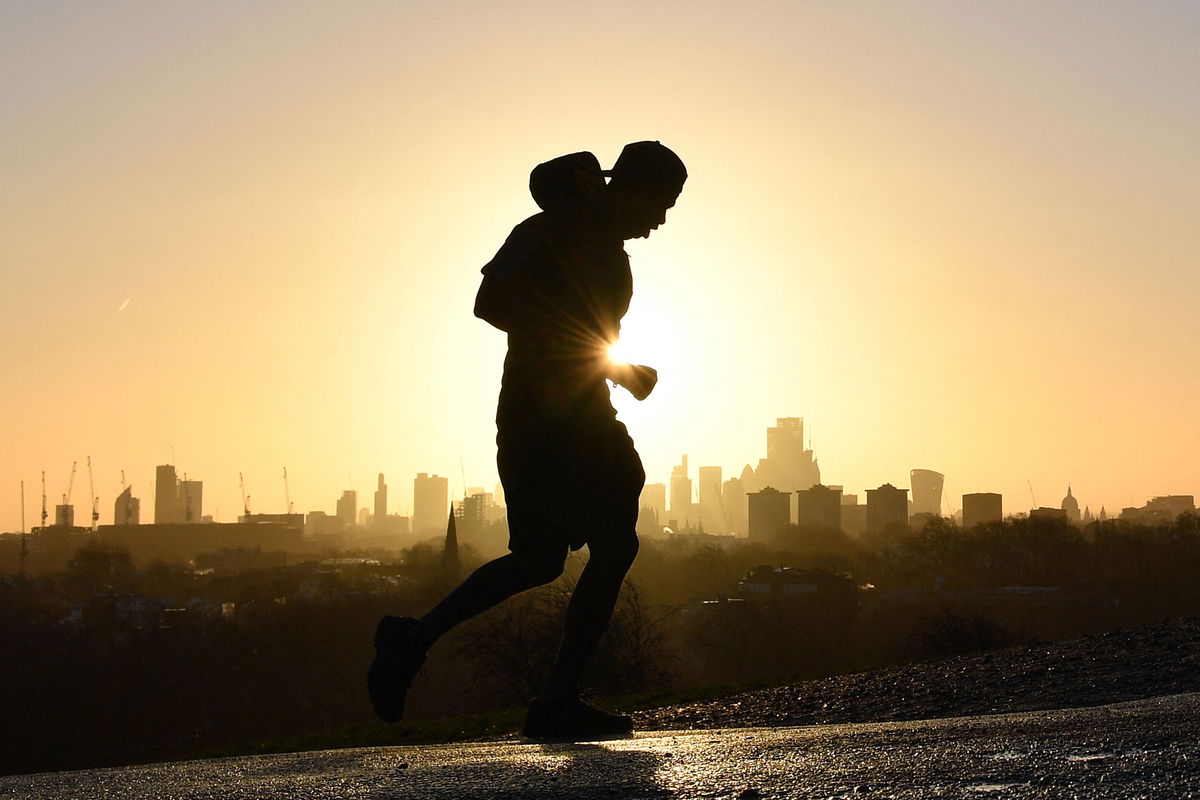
{"x": 558, "y": 287}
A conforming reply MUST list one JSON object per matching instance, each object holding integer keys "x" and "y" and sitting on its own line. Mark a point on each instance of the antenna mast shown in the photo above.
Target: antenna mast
{"x": 43, "y": 498}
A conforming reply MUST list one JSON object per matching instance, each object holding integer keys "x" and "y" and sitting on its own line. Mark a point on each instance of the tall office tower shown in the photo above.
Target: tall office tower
{"x": 733, "y": 498}
{"x": 654, "y": 499}
{"x": 347, "y": 508}
{"x": 768, "y": 511}
{"x": 128, "y": 509}
{"x": 926, "y": 491}
{"x": 750, "y": 480}
{"x": 819, "y": 507}
{"x": 191, "y": 501}
{"x": 886, "y": 506}
{"x": 1071, "y": 506}
{"x": 712, "y": 514}
{"x": 380, "y": 519}
{"x": 981, "y": 507}
{"x": 788, "y": 464}
{"x": 681, "y": 494}
{"x": 167, "y": 508}
{"x": 430, "y": 504}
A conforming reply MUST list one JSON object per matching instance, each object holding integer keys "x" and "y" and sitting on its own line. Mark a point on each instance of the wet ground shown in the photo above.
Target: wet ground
{"x": 1146, "y": 748}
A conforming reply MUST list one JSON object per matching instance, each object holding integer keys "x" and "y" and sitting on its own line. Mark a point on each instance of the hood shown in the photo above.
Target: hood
{"x": 563, "y": 183}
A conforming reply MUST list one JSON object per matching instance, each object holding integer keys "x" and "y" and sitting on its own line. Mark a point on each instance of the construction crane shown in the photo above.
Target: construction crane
{"x": 1032, "y": 496}
{"x": 245, "y": 498}
{"x": 287, "y": 492}
{"x": 70, "y": 485}
{"x": 92, "y": 492}
{"x": 129, "y": 505}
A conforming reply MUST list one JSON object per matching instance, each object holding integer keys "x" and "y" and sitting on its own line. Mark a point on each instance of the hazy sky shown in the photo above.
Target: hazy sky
{"x": 243, "y": 235}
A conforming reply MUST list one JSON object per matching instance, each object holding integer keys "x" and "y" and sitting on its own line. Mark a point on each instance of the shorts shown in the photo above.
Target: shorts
{"x": 568, "y": 483}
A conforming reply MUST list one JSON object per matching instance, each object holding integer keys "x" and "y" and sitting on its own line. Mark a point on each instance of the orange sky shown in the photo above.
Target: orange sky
{"x": 247, "y": 235}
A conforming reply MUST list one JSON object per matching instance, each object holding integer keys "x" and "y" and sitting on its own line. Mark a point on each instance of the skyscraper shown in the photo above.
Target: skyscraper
{"x": 430, "y": 504}
{"x": 733, "y": 499}
{"x": 128, "y": 509}
{"x": 681, "y": 494}
{"x": 380, "y": 519}
{"x": 886, "y": 506}
{"x": 191, "y": 501}
{"x": 347, "y": 508}
{"x": 926, "y": 491}
{"x": 769, "y": 510}
{"x": 788, "y": 464}
{"x": 712, "y": 516}
{"x": 167, "y": 508}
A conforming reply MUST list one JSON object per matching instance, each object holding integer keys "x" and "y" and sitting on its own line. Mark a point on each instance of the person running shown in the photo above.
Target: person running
{"x": 558, "y": 287}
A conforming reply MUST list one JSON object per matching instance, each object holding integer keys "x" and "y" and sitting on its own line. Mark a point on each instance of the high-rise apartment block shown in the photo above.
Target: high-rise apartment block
{"x": 887, "y": 507}
{"x": 981, "y": 507}
{"x": 819, "y": 507}
{"x": 431, "y": 509}
{"x": 769, "y": 510}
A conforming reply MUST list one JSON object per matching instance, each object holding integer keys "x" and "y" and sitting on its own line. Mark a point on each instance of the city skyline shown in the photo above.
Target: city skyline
{"x": 217, "y": 244}
{"x": 789, "y": 467}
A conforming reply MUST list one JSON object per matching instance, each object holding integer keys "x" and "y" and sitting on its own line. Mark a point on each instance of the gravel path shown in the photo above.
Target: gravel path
{"x": 1142, "y": 662}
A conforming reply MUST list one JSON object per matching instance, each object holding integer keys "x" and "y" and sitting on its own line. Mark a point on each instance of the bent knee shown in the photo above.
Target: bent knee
{"x": 543, "y": 566}
{"x": 619, "y": 551}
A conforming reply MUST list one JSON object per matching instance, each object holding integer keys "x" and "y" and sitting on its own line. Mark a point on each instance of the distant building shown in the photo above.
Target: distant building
{"x": 733, "y": 501}
{"x": 926, "y": 491}
{"x": 681, "y": 494}
{"x": 854, "y": 515}
{"x": 431, "y": 504}
{"x": 788, "y": 465}
{"x": 347, "y": 508}
{"x": 471, "y": 516}
{"x": 64, "y": 516}
{"x": 886, "y": 506}
{"x": 167, "y": 509}
{"x": 652, "y": 509}
{"x": 981, "y": 507}
{"x": 712, "y": 515}
{"x": 127, "y": 510}
{"x": 769, "y": 510}
{"x": 191, "y": 501}
{"x": 381, "y": 501}
{"x": 1165, "y": 508}
{"x": 1048, "y": 513}
{"x": 1070, "y": 506}
{"x": 819, "y": 507}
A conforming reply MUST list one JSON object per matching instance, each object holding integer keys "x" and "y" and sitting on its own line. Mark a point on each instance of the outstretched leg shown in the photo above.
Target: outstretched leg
{"x": 401, "y": 642}
{"x": 488, "y": 586}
